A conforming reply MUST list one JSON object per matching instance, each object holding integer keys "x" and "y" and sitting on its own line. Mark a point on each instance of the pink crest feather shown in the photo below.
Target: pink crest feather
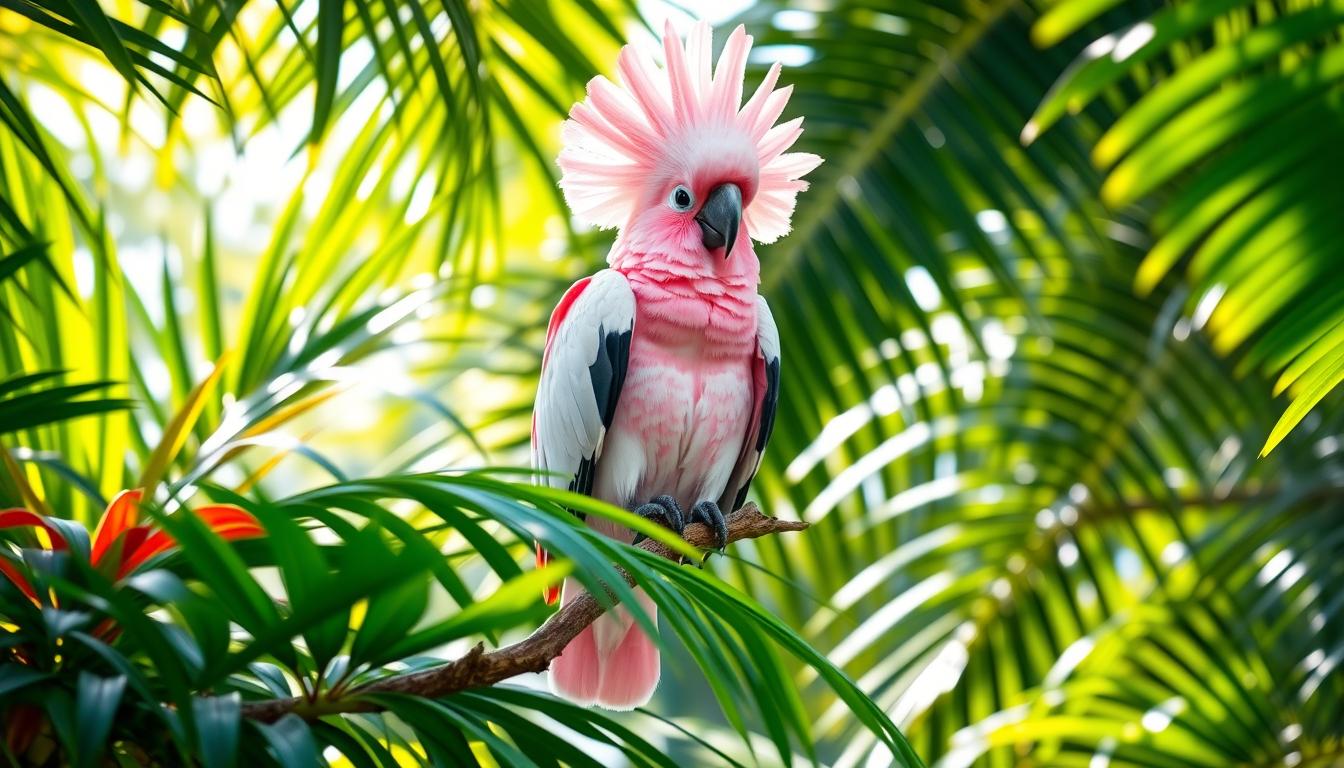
{"x": 625, "y": 139}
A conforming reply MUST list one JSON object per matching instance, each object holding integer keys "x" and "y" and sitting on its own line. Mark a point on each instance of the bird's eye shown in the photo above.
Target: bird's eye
{"x": 681, "y": 199}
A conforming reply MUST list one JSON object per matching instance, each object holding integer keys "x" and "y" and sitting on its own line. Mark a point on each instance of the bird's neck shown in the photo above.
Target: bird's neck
{"x": 684, "y": 300}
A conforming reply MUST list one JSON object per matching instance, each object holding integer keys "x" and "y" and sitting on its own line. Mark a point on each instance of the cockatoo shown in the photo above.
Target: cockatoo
{"x": 661, "y": 373}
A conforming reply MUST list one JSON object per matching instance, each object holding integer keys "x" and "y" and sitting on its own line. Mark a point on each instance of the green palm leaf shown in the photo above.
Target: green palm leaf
{"x": 1036, "y": 308}
{"x": 1248, "y": 83}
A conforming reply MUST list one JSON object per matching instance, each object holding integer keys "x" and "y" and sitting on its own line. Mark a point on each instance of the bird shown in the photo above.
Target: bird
{"x": 660, "y": 374}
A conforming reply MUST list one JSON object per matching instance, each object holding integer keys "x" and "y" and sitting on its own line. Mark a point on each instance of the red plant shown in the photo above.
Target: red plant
{"x": 120, "y": 545}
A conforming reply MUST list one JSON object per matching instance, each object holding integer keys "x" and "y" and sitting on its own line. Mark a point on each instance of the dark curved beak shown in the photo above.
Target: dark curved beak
{"x": 719, "y": 217}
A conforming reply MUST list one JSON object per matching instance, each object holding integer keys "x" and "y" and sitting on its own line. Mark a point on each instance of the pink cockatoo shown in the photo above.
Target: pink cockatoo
{"x": 661, "y": 373}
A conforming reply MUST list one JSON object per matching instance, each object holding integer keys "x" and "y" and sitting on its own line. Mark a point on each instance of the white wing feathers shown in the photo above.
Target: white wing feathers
{"x": 587, "y": 350}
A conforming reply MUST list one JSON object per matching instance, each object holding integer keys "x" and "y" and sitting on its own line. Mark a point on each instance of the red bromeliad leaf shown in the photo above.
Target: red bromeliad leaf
{"x": 22, "y": 725}
{"x": 17, "y": 577}
{"x": 118, "y": 530}
{"x": 122, "y": 514}
{"x": 156, "y": 544}
{"x": 132, "y": 541}
{"x": 119, "y": 537}
{"x": 106, "y": 630}
{"x": 22, "y": 518}
{"x": 229, "y": 523}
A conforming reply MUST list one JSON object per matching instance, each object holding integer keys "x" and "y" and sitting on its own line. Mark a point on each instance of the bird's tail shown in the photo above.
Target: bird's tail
{"x": 612, "y": 663}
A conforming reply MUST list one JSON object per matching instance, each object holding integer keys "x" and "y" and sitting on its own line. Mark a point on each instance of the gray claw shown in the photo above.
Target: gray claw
{"x": 675, "y": 519}
{"x": 664, "y": 511}
{"x": 708, "y": 512}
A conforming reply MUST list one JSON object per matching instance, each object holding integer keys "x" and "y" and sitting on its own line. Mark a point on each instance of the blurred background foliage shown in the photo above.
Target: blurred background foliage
{"x": 1068, "y": 270}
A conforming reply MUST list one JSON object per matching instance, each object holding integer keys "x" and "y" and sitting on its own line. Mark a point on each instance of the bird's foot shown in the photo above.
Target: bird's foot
{"x": 664, "y": 511}
{"x": 708, "y": 512}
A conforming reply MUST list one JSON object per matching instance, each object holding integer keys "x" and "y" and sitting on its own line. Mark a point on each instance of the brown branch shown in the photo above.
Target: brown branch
{"x": 480, "y": 668}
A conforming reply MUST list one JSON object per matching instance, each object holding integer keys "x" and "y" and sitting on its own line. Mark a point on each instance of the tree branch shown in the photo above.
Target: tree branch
{"x": 480, "y": 668}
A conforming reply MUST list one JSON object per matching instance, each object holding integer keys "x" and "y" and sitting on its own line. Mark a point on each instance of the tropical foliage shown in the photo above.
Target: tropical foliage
{"x": 287, "y": 265}
{"x": 179, "y": 373}
{"x": 1032, "y": 430}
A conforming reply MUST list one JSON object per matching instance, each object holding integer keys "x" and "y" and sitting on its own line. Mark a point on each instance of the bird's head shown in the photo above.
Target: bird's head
{"x": 673, "y": 158}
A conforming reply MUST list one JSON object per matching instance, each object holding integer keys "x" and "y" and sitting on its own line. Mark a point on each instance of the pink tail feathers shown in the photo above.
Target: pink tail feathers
{"x": 611, "y": 663}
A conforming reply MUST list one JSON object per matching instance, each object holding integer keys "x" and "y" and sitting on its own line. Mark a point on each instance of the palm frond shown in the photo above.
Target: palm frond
{"x": 300, "y": 637}
{"x": 1036, "y": 309}
{"x": 1008, "y": 452}
{"x": 1236, "y": 124}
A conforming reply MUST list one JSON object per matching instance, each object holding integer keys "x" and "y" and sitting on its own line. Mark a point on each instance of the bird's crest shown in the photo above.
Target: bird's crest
{"x": 653, "y": 123}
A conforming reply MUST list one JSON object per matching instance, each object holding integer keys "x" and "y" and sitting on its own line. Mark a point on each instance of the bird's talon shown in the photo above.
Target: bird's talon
{"x": 708, "y": 512}
{"x": 677, "y": 520}
{"x": 664, "y": 511}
